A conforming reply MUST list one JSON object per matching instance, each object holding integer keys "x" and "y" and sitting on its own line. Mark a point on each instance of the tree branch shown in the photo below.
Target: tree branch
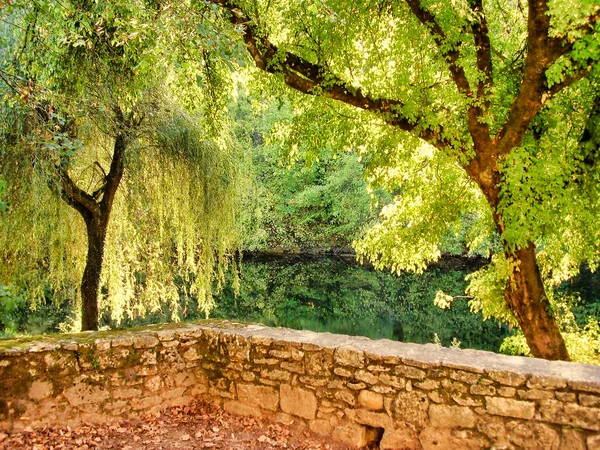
{"x": 314, "y": 79}
{"x": 542, "y": 52}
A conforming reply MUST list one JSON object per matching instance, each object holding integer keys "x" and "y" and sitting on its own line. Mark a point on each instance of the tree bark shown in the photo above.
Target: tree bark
{"x": 96, "y": 215}
{"x": 526, "y": 297}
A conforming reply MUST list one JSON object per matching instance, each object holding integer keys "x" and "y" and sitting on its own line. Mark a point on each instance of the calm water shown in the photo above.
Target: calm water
{"x": 324, "y": 294}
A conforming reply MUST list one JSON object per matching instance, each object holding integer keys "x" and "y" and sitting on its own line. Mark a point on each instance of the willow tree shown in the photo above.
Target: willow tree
{"x": 90, "y": 98}
{"x": 501, "y": 90}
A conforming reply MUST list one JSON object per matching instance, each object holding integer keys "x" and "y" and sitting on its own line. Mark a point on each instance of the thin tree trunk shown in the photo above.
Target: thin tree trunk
{"x": 526, "y": 297}
{"x": 90, "y": 283}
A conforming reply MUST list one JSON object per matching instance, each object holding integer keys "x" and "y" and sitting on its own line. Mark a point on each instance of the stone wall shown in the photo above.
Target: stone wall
{"x": 406, "y": 396}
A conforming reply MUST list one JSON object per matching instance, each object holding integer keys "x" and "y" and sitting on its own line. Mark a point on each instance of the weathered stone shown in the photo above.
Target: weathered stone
{"x": 403, "y": 439}
{"x": 146, "y": 402}
{"x": 506, "y": 391}
{"x": 373, "y": 419}
{"x": 145, "y": 341}
{"x": 532, "y": 435}
{"x": 241, "y": 409}
{"x": 293, "y": 367}
{"x": 297, "y": 401}
{"x": 122, "y": 341}
{"x": 507, "y": 378}
{"x": 467, "y": 401}
{"x": 589, "y": 400}
{"x": 165, "y": 335}
{"x": 370, "y": 400}
{"x": 410, "y": 372}
{"x": 345, "y": 373}
{"x": 82, "y": 393}
{"x": 318, "y": 363}
{"x": 433, "y": 438}
{"x": 477, "y": 389}
{"x": 383, "y": 389}
{"x": 353, "y": 434}
{"x": 346, "y": 396}
{"x": 266, "y": 361}
{"x": 428, "y": 385}
{"x": 510, "y": 408}
{"x": 345, "y": 356}
{"x": 493, "y": 427}
{"x": 392, "y": 380}
{"x": 535, "y": 394}
{"x": 40, "y": 390}
{"x": 465, "y": 377}
{"x": 571, "y": 414}
{"x": 356, "y": 386}
{"x": 367, "y": 377}
{"x": 321, "y": 427}
{"x": 192, "y": 354}
{"x": 153, "y": 383}
{"x": 275, "y": 374}
{"x": 545, "y": 382}
{"x": 102, "y": 345}
{"x": 411, "y": 407}
{"x": 572, "y": 440}
{"x": 336, "y": 384}
{"x": 451, "y": 416}
{"x": 312, "y": 381}
{"x": 454, "y": 387}
{"x": 261, "y": 396}
{"x": 566, "y": 396}
{"x": 125, "y": 392}
{"x": 593, "y": 442}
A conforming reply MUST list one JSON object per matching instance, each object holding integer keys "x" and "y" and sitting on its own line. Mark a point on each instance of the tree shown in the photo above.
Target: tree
{"x": 488, "y": 85}
{"x": 89, "y": 106}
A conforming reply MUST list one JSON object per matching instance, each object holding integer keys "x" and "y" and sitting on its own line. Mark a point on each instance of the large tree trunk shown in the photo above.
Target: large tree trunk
{"x": 526, "y": 298}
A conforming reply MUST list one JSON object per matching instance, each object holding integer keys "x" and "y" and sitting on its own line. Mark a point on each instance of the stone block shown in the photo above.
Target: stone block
{"x": 392, "y": 380}
{"x": 478, "y": 389}
{"x": 83, "y": 393}
{"x": 367, "y": 377}
{"x": 39, "y": 390}
{"x": 346, "y": 396}
{"x": 241, "y": 409}
{"x": 572, "y": 440}
{"x": 410, "y": 372}
{"x": 353, "y": 434}
{"x": 402, "y": 439}
{"x": 465, "y": 377}
{"x": 571, "y": 414}
{"x": 411, "y": 407}
{"x": 370, "y": 400}
{"x": 433, "y": 438}
{"x": 507, "y": 378}
{"x": 344, "y": 373}
{"x": 532, "y": 435}
{"x": 428, "y": 385}
{"x": 275, "y": 374}
{"x": 145, "y": 341}
{"x": 445, "y": 416}
{"x": 589, "y": 400}
{"x": 191, "y": 354}
{"x": 319, "y": 363}
{"x": 510, "y": 408}
{"x": 297, "y": 401}
{"x": 373, "y": 419}
{"x": 350, "y": 357}
{"x": 546, "y": 382}
{"x": 261, "y": 396}
{"x": 535, "y": 394}
{"x": 593, "y": 442}
{"x": 321, "y": 427}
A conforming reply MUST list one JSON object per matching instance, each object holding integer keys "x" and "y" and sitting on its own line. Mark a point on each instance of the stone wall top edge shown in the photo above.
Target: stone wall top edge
{"x": 463, "y": 359}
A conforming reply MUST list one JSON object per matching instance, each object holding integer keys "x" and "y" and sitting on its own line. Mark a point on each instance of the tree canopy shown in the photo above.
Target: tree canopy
{"x": 97, "y": 117}
{"x": 504, "y": 92}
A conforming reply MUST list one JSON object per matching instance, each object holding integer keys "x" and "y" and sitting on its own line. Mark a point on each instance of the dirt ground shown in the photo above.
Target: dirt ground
{"x": 197, "y": 426}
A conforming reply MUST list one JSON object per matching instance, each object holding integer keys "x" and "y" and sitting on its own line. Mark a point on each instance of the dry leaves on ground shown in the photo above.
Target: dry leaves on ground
{"x": 196, "y": 426}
